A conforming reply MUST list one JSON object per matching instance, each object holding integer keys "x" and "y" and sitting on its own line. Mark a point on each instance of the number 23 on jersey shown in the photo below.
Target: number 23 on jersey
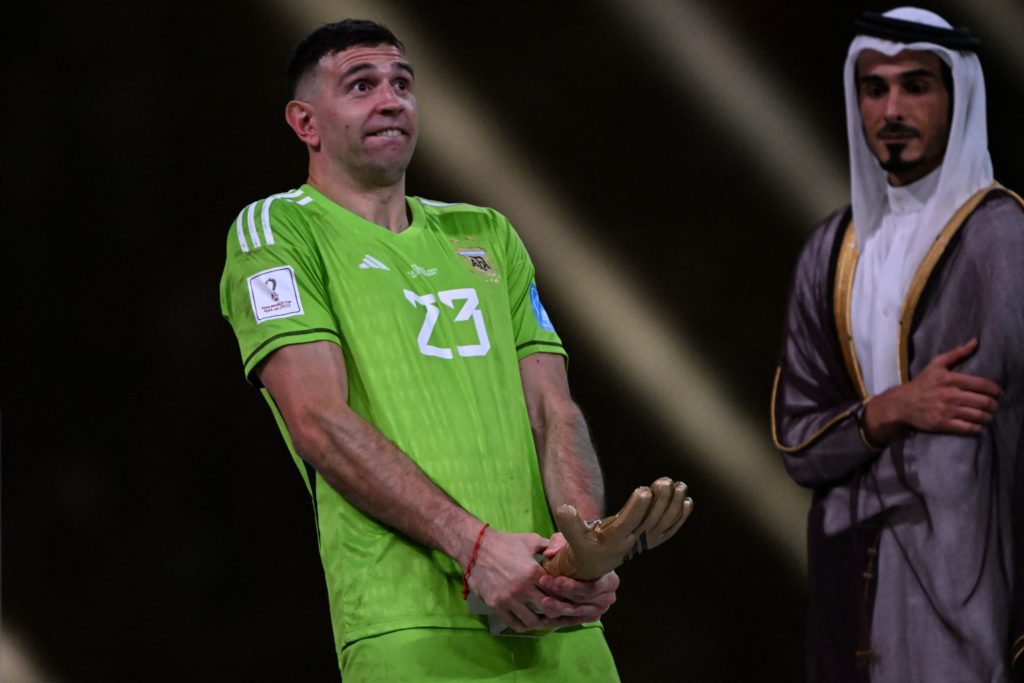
{"x": 468, "y": 312}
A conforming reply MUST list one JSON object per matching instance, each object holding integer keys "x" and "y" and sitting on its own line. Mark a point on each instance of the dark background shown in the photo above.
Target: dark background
{"x": 154, "y": 527}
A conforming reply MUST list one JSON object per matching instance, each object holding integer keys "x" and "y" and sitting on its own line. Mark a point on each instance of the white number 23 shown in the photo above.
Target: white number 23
{"x": 468, "y": 311}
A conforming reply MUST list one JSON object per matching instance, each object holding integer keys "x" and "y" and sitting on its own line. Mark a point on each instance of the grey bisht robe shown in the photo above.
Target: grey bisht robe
{"x": 912, "y": 550}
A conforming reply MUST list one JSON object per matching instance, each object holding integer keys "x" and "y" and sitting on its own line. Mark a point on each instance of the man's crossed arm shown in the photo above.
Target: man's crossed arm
{"x": 938, "y": 399}
{"x": 309, "y": 384}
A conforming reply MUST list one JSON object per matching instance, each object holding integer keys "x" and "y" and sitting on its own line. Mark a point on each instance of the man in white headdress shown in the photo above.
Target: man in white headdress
{"x": 900, "y": 392}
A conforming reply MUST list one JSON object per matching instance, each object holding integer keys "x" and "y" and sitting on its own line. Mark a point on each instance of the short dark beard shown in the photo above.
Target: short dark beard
{"x": 896, "y": 163}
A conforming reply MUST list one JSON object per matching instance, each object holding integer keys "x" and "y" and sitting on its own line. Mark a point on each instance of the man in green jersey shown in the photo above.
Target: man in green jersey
{"x": 420, "y": 386}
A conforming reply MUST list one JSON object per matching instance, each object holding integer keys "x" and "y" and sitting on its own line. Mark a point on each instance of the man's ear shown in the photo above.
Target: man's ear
{"x": 299, "y": 116}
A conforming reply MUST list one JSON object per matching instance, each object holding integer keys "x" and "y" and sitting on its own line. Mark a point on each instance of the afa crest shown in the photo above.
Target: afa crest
{"x": 479, "y": 261}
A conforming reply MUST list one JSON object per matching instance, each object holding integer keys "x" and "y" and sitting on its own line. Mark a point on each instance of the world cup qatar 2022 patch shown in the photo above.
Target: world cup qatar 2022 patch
{"x": 274, "y": 294}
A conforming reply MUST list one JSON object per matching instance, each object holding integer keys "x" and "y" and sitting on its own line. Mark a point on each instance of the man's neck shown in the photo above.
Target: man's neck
{"x": 384, "y": 206}
{"x": 907, "y": 200}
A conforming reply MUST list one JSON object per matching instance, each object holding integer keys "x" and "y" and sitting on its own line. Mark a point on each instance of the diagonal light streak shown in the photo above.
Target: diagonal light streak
{"x": 18, "y": 663}
{"x": 711, "y": 69}
{"x": 657, "y": 363}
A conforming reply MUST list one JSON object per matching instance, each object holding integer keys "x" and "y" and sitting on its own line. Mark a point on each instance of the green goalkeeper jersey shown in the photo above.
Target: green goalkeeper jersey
{"x": 432, "y": 322}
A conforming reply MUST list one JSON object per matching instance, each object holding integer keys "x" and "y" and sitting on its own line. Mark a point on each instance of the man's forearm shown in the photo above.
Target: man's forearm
{"x": 568, "y": 463}
{"x": 383, "y": 482}
{"x": 881, "y": 421}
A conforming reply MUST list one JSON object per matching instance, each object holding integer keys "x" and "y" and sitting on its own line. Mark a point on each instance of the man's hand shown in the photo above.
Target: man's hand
{"x": 936, "y": 400}
{"x": 589, "y": 599}
{"x": 649, "y": 518}
{"x": 508, "y": 579}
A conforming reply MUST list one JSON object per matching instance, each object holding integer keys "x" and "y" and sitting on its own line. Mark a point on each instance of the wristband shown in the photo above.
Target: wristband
{"x": 472, "y": 561}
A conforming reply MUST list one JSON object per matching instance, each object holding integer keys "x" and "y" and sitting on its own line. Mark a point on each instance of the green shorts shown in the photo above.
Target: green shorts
{"x": 433, "y": 654}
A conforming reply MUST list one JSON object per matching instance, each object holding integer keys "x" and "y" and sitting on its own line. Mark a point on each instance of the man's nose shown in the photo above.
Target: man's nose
{"x": 894, "y": 105}
{"x": 389, "y": 100}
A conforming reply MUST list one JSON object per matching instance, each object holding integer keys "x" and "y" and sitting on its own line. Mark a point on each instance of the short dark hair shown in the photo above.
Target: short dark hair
{"x": 331, "y": 38}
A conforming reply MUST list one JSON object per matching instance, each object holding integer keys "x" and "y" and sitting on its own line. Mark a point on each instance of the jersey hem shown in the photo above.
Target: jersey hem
{"x": 538, "y": 346}
{"x": 461, "y": 623}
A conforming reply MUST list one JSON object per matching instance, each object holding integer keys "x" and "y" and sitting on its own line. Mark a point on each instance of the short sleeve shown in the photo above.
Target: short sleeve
{"x": 273, "y": 290}
{"x": 533, "y": 329}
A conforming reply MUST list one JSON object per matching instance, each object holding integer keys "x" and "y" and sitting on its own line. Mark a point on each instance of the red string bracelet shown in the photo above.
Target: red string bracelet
{"x": 472, "y": 561}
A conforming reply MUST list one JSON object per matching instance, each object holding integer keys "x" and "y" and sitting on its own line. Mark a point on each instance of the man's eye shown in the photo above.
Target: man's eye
{"x": 360, "y": 86}
{"x": 916, "y": 87}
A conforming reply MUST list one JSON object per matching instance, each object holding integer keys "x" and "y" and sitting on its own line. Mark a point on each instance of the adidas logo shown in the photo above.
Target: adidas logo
{"x": 370, "y": 262}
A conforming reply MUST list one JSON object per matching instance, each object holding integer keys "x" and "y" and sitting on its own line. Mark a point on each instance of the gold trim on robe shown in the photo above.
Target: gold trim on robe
{"x": 842, "y": 304}
{"x": 812, "y": 438}
{"x": 924, "y": 271}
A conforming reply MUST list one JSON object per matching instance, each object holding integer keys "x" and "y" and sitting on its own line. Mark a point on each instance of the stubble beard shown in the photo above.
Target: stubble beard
{"x": 386, "y": 174}
{"x": 383, "y": 171}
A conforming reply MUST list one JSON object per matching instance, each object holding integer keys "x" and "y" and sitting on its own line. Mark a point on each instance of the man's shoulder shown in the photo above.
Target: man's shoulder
{"x": 824, "y": 236}
{"x": 835, "y": 221}
{"x": 992, "y": 236}
{"x": 266, "y": 220}
{"x": 445, "y": 208}
{"x": 1001, "y": 206}
{"x": 998, "y": 219}
{"x": 814, "y": 264}
{"x": 468, "y": 216}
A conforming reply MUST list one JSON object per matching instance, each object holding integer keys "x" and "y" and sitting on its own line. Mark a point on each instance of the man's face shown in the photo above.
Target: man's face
{"x": 365, "y": 112}
{"x": 904, "y": 108}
